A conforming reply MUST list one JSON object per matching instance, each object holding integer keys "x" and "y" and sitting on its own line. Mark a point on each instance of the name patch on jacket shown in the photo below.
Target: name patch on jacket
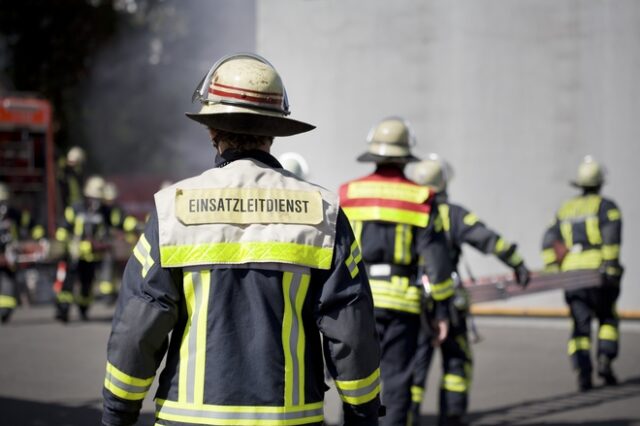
{"x": 248, "y": 205}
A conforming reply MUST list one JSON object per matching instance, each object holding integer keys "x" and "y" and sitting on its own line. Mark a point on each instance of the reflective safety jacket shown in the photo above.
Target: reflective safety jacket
{"x": 246, "y": 266}
{"x": 82, "y": 229}
{"x": 396, "y": 222}
{"x": 589, "y": 228}
{"x": 16, "y": 225}
{"x": 462, "y": 226}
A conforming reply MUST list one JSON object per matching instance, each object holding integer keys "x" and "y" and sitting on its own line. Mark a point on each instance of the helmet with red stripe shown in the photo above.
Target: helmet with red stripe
{"x": 243, "y": 93}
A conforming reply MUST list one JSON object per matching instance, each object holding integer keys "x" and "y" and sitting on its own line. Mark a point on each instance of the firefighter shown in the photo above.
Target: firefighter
{"x": 460, "y": 226}
{"x": 295, "y": 163}
{"x": 15, "y": 226}
{"x": 122, "y": 228}
{"x": 586, "y": 234}
{"x": 71, "y": 176}
{"x": 246, "y": 266}
{"x": 84, "y": 231}
{"x": 397, "y": 222}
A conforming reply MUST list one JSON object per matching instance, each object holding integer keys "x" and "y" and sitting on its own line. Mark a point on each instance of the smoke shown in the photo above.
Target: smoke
{"x": 140, "y": 86}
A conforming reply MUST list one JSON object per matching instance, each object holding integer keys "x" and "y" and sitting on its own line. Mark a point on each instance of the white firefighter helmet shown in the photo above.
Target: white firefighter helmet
{"x": 243, "y": 93}
{"x": 390, "y": 140}
{"x": 295, "y": 163}
{"x": 590, "y": 173}
{"x": 5, "y": 193}
{"x": 76, "y": 156}
{"x": 165, "y": 184}
{"x": 94, "y": 187}
{"x": 110, "y": 191}
{"x": 435, "y": 172}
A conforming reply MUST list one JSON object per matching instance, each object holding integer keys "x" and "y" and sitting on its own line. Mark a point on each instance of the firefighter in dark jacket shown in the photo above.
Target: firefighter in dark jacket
{"x": 397, "y": 222}
{"x": 15, "y": 226}
{"x": 71, "y": 176}
{"x": 84, "y": 231}
{"x": 246, "y": 266}
{"x": 460, "y": 227}
{"x": 586, "y": 234}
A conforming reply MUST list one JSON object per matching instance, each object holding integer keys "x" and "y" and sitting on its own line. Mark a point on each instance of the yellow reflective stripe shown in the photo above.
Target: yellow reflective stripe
{"x": 592, "y": 226}
{"x": 454, "y": 383}
{"x": 442, "y": 291}
{"x": 62, "y": 234}
{"x": 417, "y": 393}
{"x": 359, "y": 391}
{"x": 566, "y": 229}
{"x": 64, "y": 297}
{"x": 8, "y": 301}
{"x": 387, "y": 214}
{"x": 116, "y": 217}
{"x": 294, "y": 288}
{"x": 127, "y": 379}
{"x": 613, "y": 214}
{"x": 501, "y": 246}
{"x": 610, "y": 252}
{"x": 235, "y": 253}
{"x": 37, "y": 232}
{"x": 78, "y": 226}
{"x": 69, "y": 215}
{"x": 129, "y": 223}
{"x": 608, "y": 332}
{"x": 357, "y": 230}
{"x": 402, "y": 244}
{"x": 552, "y": 268}
{"x": 106, "y": 287}
{"x": 239, "y": 415}
{"x": 408, "y": 192}
{"x": 580, "y": 207}
{"x": 142, "y": 252}
{"x": 396, "y": 295}
{"x": 613, "y": 271}
{"x": 470, "y": 219}
{"x": 549, "y": 256}
{"x": 578, "y": 344}
{"x": 355, "y": 256}
{"x": 588, "y": 259}
{"x": 514, "y": 259}
{"x": 85, "y": 247}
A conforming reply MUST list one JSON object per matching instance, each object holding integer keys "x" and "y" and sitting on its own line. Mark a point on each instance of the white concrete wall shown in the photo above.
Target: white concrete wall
{"x": 513, "y": 93}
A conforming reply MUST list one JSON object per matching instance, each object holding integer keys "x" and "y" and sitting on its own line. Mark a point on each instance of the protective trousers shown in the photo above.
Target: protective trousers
{"x": 84, "y": 272}
{"x": 398, "y": 332}
{"x": 584, "y": 304}
{"x": 421, "y": 364}
{"x": 457, "y": 370}
{"x": 8, "y": 294}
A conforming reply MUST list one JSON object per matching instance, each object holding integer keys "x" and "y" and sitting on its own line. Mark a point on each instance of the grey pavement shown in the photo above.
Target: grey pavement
{"x": 51, "y": 374}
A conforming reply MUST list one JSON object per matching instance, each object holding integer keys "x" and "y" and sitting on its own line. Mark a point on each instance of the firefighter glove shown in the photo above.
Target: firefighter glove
{"x": 522, "y": 275}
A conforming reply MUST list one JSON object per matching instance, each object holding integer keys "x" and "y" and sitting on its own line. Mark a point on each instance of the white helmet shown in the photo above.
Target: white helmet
{"x": 295, "y": 163}
{"x": 590, "y": 174}
{"x": 5, "y": 193}
{"x": 243, "y": 93}
{"x": 435, "y": 172}
{"x": 110, "y": 191}
{"x": 94, "y": 187}
{"x": 76, "y": 156}
{"x": 390, "y": 140}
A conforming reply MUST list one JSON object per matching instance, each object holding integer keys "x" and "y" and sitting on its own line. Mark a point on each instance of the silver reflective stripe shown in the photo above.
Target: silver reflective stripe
{"x": 226, "y": 415}
{"x": 125, "y": 387}
{"x": 293, "y": 341}
{"x": 193, "y": 337}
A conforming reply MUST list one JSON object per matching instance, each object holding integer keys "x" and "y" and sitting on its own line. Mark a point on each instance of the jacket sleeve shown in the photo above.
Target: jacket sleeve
{"x": 611, "y": 230}
{"x": 432, "y": 246}
{"x": 344, "y": 314}
{"x": 146, "y": 312}
{"x": 466, "y": 227}
{"x": 550, "y": 239}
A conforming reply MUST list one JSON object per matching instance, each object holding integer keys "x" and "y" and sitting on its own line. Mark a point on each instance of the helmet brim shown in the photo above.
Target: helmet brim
{"x": 577, "y": 185}
{"x": 368, "y": 157}
{"x": 252, "y": 124}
